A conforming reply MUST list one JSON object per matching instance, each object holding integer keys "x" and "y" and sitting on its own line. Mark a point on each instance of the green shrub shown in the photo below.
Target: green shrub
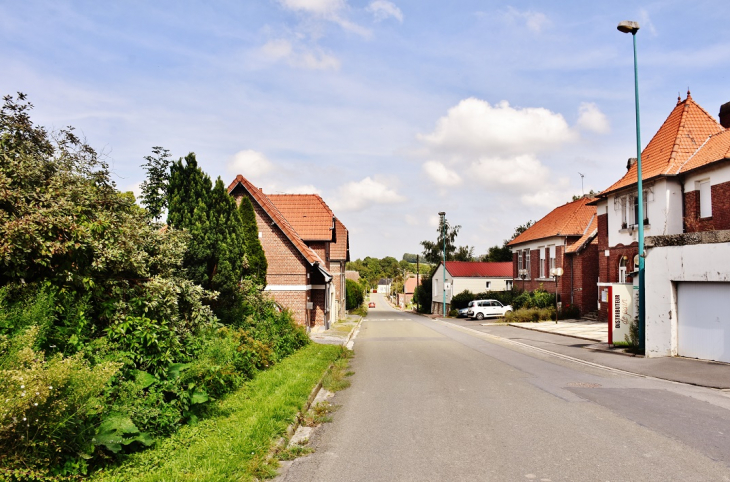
{"x": 462, "y": 299}
{"x": 535, "y": 299}
{"x": 454, "y": 313}
{"x": 527, "y": 315}
{"x": 51, "y": 406}
{"x": 354, "y": 295}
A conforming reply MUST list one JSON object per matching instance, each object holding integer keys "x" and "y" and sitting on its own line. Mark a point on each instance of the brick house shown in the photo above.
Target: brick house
{"x": 565, "y": 238}
{"x": 686, "y": 184}
{"x": 409, "y": 287}
{"x": 306, "y": 249}
{"x": 476, "y": 277}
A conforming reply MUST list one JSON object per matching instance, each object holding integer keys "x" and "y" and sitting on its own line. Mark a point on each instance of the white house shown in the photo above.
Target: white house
{"x": 467, "y": 275}
{"x": 686, "y": 176}
{"x": 384, "y": 285}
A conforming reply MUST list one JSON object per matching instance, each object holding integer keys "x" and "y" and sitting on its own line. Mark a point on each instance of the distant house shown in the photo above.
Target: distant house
{"x": 352, "y": 275}
{"x": 306, "y": 248}
{"x": 476, "y": 277}
{"x": 686, "y": 197}
{"x": 409, "y": 287}
{"x": 384, "y": 285}
{"x": 565, "y": 238}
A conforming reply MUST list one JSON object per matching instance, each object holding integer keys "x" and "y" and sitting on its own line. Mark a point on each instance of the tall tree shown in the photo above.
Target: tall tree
{"x": 433, "y": 252}
{"x": 154, "y": 188}
{"x": 257, "y": 264}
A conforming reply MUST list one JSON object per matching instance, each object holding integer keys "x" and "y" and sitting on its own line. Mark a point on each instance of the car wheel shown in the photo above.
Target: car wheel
{"x": 480, "y": 316}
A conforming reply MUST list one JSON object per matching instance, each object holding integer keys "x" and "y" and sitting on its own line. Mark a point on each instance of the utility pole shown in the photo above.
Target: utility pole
{"x": 418, "y": 281}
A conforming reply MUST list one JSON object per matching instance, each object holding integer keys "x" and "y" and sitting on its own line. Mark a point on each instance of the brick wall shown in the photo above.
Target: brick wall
{"x": 582, "y": 271}
{"x": 720, "y": 218}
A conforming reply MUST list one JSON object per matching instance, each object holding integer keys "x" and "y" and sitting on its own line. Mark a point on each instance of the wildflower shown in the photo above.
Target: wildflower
{"x": 24, "y": 419}
{"x": 51, "y": 387}
{"x": 22, "y": 394}
{"x": 36, "y": 404}
{"x": 22, "y": 386}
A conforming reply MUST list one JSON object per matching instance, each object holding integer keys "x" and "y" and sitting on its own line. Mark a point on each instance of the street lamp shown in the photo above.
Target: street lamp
{"x": 633, "y": 27}
{"x": 522, "y": 274}
{"x": 557, "y": 273}
{"x": 443, "y": 235}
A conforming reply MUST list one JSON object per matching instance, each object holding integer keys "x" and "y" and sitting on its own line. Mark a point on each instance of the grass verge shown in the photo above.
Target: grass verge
{"x": 234, "y": 442}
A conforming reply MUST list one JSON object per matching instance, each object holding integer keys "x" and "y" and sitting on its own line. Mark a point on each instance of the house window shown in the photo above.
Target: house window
{"x": 489, "y": 284}
{"x": 542, "y": 262}
{"x": 508, "y": 284}
{"x": 705, "y": 199}
{"x": 527, "y": 263}
{"x": 624, "y": 214}
{"x": 552, "y": 259}
{"x": 519, "y": 260}
{"x": 622, "y": 270}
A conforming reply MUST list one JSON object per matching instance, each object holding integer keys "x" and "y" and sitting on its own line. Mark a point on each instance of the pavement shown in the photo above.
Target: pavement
{"x": 338, "y": 334}
{"x": 586, "y": 330}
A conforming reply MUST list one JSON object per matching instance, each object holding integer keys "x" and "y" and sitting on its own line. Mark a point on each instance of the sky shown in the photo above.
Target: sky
{"x": 391, "y": 110}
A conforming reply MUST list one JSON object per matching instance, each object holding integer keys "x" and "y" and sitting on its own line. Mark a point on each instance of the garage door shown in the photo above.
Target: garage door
{"x": 703, "y": 329}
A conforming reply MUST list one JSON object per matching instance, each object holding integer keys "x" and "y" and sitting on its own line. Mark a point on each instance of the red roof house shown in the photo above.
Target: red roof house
{"x": 476, "y": 277}
{"x": 306, "y": 249}
{"x": 565, "y": 238}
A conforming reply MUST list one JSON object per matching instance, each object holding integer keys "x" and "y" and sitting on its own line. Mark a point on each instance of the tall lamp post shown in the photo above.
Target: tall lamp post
{"x": 632, "y": 27}
{"x": 523, "y": 274}
{"x": 443, "y": 235}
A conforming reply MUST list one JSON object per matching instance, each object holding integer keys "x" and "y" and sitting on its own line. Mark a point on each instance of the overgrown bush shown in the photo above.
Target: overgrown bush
{"x": 354, "y": 295}
{"x": 462, "y": 299}
{"x": 534, "y": 299}
{"x": 422, "y": 295}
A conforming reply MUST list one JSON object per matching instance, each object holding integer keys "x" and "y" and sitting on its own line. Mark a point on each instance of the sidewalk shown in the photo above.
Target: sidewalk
{"x": 683, "y": 370}
{"x": 587, "y": 330}
{"x": 338, "y": 334}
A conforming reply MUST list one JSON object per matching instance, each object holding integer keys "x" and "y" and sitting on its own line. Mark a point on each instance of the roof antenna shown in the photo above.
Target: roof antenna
{"x": 581, "y": 184}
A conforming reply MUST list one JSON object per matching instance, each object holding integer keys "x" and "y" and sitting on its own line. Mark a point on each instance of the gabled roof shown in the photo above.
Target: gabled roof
{"x": 278, "y": 218}
{"x": 588, "y": 236}
{"x": 308, "y": 214}
{"x": 473, "y": 269}
{"x": 683, "y": 132}
{"x": 570, "y": 219}
{"x": 340, "y": 249}
{"x": 716, "y": 148}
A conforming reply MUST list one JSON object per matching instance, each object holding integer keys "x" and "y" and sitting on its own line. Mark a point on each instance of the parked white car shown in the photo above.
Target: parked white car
{"x": 488, "y": 308}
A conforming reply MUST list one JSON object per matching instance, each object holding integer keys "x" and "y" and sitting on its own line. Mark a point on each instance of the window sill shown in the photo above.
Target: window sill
{"x": 633, "y": 228}
{"x": 708, "y": 218}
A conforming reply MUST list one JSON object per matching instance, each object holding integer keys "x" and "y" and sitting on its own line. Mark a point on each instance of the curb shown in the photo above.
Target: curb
{"x": 552, "y": 333}
{"x": 292, "y": 428}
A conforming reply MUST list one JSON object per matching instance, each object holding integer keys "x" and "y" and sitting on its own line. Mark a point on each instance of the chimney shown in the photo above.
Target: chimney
{"x": 630, "y": 162}
{"x": 725, "y": 115}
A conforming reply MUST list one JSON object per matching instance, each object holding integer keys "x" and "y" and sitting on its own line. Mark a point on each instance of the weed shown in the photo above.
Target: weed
{"x": 294, "y": 452}
{"x": 335, "y": 380}
{"x": 318, "y": 414}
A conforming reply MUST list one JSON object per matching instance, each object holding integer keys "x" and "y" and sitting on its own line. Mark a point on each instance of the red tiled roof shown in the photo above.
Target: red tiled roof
{"x": 472, "y": 269}
{"x": 340, "y": 249}
{"x": 716, "y": 148}
{"x": 570, "y": 219}
{"x": 307, "y": 213}
{"x": 588, "y": 235}
{"x": 278, "y": 218}
{"x": 683, "y": 132}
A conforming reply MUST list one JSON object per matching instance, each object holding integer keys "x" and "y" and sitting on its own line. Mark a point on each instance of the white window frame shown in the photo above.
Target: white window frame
{"x": 552, "y": 259}
{"x": 705, "y": 198}
{"x": 520, "y": 254}
{"x": 508, "y": 284}
{"x": 622, "y": 270}
{"x": 527, "y": 263}
{"x": 543, "y": 254}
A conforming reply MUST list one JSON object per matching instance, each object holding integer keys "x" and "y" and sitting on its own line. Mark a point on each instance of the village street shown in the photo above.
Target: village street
{"x": 431, "y": 401}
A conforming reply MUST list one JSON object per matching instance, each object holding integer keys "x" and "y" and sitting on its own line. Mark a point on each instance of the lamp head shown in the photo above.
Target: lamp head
{"x": 627, "y": 26}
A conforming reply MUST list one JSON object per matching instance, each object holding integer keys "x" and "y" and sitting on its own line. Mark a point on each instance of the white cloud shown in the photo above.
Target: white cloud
{"x": 550, "y": 196}
{"x": 645, "y": 21}
{"x": 355, "y": 196}
{"x": 318, "y": 7}
{"x": 520, "y": 173}
{"x": 249, "y": 163}
{"x": 474, "y": 126}
{"x": 412, "y": 220}
{"x": 535, "y": 21}
{"x": 299, "y": 56}
{"x": 592, "y": 119}
{"x": 136, "y": 188}
{"x": 382, "y": 9}
{"x": 441, "y": 174}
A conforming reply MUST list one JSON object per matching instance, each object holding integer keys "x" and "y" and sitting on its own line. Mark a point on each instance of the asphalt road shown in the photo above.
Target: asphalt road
{"x": 431, "y": 401}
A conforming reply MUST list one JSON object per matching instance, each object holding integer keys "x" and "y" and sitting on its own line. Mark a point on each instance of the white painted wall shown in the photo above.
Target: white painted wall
{"x": 665, "y": 267}
{"x": 716, "y": 174}
{"x": 457, "y": 285}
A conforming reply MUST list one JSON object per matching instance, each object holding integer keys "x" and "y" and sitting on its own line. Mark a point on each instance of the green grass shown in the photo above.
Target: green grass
{"x": 234, "y": 443}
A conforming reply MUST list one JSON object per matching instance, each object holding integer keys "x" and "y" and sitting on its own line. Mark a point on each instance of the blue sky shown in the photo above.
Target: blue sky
{"x": 391, "y": 110}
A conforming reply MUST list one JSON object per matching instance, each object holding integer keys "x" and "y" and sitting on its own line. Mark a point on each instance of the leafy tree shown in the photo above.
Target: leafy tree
{"x": 433, "y": 252}
{"x": 464, "y": 253}
{"x": 411, "y": 258}
{"x": 257, "y": 264}
{"x": 154, "y": 188}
